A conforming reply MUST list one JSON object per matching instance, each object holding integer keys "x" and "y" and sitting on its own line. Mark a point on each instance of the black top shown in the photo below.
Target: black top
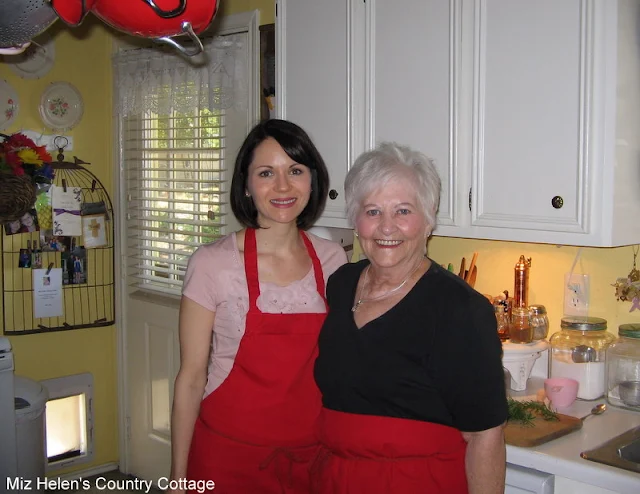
{"x": 435, "y": 356}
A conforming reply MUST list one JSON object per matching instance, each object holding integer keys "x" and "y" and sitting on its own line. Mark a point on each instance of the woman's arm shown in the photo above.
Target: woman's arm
{"x": 195, "y": 343}
{"x": 485, "y": 461}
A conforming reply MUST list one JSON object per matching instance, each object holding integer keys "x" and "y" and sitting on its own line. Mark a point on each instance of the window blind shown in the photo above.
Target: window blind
{"x": 175, "y": 181}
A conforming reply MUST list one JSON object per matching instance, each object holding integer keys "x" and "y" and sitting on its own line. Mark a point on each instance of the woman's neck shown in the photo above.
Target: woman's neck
{"x": 381, "y": 278}
{"x": 277, "y": 239}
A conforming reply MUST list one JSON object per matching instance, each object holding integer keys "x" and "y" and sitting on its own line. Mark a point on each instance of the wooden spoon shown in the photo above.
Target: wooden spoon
{"x": 472, "y": 277}
{"x": 461, "y": 272}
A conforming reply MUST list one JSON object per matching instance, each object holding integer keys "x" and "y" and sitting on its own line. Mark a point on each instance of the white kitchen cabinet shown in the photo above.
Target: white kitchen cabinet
{"x": 320, "y": 83}
{"x": 521, "y": 480}
{"x": 530, "y": 110}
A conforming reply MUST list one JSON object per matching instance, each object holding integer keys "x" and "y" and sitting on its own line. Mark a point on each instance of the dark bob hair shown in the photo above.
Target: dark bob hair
{"x": 298, "y": 146}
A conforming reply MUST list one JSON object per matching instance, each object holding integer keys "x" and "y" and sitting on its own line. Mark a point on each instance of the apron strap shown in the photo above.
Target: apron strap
{"x": 317, "y": 267}
{"x": 251, "y": 266}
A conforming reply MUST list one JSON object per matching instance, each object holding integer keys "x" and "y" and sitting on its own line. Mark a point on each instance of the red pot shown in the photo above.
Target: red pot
{"x": 145, "y": 18}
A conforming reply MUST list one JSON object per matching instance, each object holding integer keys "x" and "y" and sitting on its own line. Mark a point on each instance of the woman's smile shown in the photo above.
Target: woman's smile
{"x": 283, "y": 203}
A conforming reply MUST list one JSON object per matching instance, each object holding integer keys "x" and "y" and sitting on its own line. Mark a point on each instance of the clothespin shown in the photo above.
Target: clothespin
{"x": 93, "y": 185}
{"x": 64, "y": 184}
{"x": 50, "y": 268}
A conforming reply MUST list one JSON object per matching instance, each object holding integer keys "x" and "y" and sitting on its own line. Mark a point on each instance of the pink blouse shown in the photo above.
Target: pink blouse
{"x": 215, "y": 279}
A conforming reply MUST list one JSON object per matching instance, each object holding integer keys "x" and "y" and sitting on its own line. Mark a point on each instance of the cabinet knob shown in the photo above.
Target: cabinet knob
{"x": 557, "y": 202}
{"x": 333, "y": 193}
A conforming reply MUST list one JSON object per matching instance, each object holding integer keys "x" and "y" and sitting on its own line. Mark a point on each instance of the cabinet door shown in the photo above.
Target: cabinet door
{"x": 531, "y": 91}
{"x": 521, "y": 480}
{"x": 415, "y": 69}
{"x": 320, "y": 57}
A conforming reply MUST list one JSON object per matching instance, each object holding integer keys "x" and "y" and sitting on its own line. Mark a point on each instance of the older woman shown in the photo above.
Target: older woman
{"x": 410, "y": 360}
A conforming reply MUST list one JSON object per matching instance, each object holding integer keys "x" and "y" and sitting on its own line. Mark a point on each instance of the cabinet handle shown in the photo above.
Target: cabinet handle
{"x": 557, "y": 202}
{"x": 333, "y": 193}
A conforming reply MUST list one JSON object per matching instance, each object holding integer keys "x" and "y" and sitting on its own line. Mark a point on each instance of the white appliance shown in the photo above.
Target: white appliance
{"x": 8, "y": 457}
{"x": 525, "y": 360}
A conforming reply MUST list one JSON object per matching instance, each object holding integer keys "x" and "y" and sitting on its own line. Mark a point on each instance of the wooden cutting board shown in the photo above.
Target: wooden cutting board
{"x": 540, "y": 431}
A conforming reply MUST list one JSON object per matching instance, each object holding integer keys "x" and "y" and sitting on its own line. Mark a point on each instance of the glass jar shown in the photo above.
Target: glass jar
{"x": 501, "y": 311}
{"x": 520, "y": 329}
{"x": 623, "y": 368}
{"x": 578, "y": 351}
{"x": 539, "y": 322}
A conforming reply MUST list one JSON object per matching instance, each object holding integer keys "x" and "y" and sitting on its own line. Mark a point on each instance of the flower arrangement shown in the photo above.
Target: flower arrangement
{"x": 19, "y": 155}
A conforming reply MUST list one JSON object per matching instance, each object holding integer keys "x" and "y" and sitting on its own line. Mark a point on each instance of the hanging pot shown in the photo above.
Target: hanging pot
{"x": 23, "y": 20}
{"x": 161, "y": 20}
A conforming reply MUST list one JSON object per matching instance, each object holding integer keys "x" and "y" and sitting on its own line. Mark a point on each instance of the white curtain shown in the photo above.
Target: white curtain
{"x": 160, "y": 80}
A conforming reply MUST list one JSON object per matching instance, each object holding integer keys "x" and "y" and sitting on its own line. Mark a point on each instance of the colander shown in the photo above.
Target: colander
{"x": 23, "y": 20}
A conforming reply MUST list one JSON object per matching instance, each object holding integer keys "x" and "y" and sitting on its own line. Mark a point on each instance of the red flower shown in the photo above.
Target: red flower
{"x": 18, "y": 170}
{"x": 20, "y": 141}
{"x": 43, "y": 154}
{"x": 12, "y": 159}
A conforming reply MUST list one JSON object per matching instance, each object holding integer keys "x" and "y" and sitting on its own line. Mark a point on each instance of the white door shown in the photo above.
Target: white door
{"x": 149, "y": 321}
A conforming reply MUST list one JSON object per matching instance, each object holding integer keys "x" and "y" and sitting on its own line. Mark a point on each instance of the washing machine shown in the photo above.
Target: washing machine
{"x": 8, "y": 452}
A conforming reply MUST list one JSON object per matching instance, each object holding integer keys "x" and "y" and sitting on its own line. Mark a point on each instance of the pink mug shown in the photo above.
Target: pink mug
{"x": 561, "y": 391}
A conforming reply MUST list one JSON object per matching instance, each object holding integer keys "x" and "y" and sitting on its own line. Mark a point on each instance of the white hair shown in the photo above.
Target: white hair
{"x": 387, "y": 162}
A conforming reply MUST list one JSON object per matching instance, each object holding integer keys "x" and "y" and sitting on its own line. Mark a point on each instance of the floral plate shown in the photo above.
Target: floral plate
{"x": 8, "y": 104}
{"x": 61, "y": 106}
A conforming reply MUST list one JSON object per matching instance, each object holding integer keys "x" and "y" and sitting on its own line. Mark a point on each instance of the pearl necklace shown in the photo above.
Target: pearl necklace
{"x": 362, "y": 300}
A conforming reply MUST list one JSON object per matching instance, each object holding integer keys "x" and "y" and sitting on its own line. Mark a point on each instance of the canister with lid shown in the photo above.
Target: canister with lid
{"x": 623, "y": 368}
{"x": 578, "y": 351}
{"x": 539, "y": 321}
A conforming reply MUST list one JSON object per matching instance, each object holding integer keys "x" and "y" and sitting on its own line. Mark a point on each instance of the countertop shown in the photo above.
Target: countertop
{"x": 561, "y": 456}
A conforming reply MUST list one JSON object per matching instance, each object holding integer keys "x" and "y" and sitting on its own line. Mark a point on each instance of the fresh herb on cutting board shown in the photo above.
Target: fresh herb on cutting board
{"x": 525, "y": 412}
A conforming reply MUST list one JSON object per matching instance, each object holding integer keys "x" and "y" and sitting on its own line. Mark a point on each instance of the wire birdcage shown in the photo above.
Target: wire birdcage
{"x": 87, "y": 301}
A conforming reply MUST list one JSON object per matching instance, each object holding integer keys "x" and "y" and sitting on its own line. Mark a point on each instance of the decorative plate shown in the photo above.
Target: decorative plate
{"x": 61, "y": 106}
{"x": 35, "y": 62}
{"x": 8, "y": 104}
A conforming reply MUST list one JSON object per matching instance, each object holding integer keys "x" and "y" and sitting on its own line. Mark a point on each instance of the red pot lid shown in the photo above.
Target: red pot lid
{"x": 71, "y": 11}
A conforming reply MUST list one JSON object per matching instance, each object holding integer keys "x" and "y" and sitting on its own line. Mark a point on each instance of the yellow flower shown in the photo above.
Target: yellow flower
{"x": 30, "y": 157}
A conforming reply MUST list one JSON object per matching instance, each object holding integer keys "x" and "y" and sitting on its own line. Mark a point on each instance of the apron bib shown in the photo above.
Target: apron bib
{"x": 384, "y": 455}
{"x": 256, "y": 431}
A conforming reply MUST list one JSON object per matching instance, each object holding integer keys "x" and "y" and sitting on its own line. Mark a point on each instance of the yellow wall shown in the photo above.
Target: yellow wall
{"x": 266, "y": 8}
{"x": 82, "y": 58}
{"x": 496, "y": 261}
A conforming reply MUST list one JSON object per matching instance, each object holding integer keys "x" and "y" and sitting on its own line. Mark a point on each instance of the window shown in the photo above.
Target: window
{"x": 175, "y": 174}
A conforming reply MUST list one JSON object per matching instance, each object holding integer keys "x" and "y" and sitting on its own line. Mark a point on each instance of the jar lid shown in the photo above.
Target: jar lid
{"x": 629, "y": 330}
{"x": 538, "y": 309}
{"x": 583, "y": 323}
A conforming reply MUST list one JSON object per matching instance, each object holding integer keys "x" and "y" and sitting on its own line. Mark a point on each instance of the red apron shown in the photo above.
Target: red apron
{"x": 256, "y": 431}
{"x": 368, "y": 454}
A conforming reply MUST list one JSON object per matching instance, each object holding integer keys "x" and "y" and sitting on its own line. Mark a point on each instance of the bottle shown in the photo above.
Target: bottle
{"x": 623, "y": 368}
{"x": 501, "y": 311}
{"x": 521, "y": 282}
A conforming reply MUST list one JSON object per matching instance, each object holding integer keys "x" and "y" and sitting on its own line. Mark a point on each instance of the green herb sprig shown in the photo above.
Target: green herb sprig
{"x": 526, "y": 412}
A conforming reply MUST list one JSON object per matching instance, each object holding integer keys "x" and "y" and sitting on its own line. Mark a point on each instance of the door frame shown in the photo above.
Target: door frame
{"x": 223, "y": 25}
